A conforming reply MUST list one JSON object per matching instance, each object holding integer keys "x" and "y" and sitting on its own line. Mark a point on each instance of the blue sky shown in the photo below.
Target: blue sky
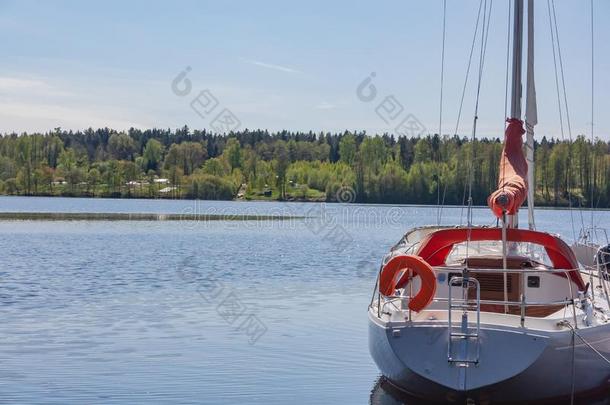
{"x": 279, "y": 64}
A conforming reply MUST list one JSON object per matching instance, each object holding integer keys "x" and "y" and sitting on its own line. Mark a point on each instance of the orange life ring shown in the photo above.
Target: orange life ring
{"x": 393, "y": 276}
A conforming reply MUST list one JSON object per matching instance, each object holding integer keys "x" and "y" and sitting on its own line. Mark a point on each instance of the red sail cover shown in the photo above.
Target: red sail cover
{"x": 512, "y": 184}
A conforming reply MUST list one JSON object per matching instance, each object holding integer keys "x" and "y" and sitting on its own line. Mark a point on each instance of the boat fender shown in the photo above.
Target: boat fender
{"x": 585, "y": 305}
{"x": 397, "y": 272}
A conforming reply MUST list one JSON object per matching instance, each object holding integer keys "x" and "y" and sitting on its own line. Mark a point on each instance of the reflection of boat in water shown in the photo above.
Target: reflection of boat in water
{"x": 494, "y": 314}
{"x": 386, "y": 393}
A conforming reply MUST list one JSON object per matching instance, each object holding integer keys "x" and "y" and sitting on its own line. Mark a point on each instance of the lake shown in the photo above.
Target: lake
{"x": 138, "y": 311}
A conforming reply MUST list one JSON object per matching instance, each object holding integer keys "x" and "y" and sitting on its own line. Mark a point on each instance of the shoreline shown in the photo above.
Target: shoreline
{"x": 102, "y": 216}
{"x": 305, "y": 201}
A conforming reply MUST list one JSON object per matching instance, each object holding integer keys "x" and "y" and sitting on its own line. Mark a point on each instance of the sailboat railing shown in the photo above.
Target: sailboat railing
{"x": 399, "y": 302}
{"x": 593, "y": 234}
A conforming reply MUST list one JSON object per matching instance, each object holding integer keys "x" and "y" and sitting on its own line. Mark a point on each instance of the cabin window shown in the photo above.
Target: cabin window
{"x": 461, "y": 251}
{"x": 533, "y": 282}
{"x": 451, "y": 275}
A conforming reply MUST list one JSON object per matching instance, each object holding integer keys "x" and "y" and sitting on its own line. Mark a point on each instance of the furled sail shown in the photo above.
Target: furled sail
{"x": 531, "y": 113}
{"x": 512, "y": 183}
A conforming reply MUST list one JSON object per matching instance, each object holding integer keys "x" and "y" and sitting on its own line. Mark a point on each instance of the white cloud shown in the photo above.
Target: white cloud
{"x": 33, "y": 103}
{"x": 19, "y": 87}
{"x": 273, "y": 67}
{"x": 43, "y": 117}
{"x": 8, "y": 83}
{"x": 325, "y": 106}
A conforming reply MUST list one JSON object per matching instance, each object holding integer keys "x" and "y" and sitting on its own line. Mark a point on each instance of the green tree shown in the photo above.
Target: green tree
{"x": 216, "y": 167}
{"x": 153, "y": 153}
{"x": 422, "y": 151}
{"x": 187, "y": 155}
{"x": 207, "y": 187}
{"x": 68, "y": 168}
{"x": 11, "y": 187}
{"x": 194, "y": 154}
{"x": 93, "y": 178}
{"x": 53, "y": 148}
{"x": 8, "y": 168}
{"x": 347, "y": 149}
{"x": 281, "y": 166}
{"x": 233, "y": 153}
{"x": 121, "y": 146}
{"x": 380, "y": 168}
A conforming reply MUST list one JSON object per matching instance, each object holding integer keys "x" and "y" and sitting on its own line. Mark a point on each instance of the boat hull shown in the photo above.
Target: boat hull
{"x": 514, "y": 365}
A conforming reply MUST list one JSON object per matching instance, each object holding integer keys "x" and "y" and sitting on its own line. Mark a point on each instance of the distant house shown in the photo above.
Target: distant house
{"x": 162, "y": 181}
{"x": 167, "y": 189}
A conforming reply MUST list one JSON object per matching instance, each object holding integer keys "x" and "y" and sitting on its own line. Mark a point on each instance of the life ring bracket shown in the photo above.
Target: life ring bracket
{"x": 397, "y": 273}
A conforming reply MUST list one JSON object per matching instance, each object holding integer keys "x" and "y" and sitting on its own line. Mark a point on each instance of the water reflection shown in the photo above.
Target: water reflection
{"x": 385, "y": 393}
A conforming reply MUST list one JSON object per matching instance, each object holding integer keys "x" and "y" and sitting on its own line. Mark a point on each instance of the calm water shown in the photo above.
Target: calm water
{"x": 136, "y": 312}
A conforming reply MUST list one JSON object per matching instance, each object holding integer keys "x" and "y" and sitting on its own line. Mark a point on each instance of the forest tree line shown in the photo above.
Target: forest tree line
{"x": 185, "y": 163}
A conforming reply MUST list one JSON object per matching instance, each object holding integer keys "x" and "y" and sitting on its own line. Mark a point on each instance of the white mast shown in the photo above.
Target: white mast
{"x": 531, "y": 115}
{"x": 515, "y": 107}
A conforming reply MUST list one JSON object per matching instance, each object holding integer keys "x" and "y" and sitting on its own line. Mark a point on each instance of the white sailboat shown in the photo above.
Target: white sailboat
{"x": 494, "y": 314}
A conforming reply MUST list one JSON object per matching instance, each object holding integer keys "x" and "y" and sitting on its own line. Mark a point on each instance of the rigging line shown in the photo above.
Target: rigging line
{"x": 588, "y": 344}
{"x": 474, "y": 38}
{"x": 484, "y": 36}
{"x": 487, "y": 31}
{"x": 567, "y": 112}
{"x": 565, "y": 102}
{"x": 457, "y": 125}
{"x": 582, "y": 220}
{"x": 463, "y": 201}
{"x": 563, "y": 81}
{"x": 592, "y": 176}
{"x": 556, "y": 75}
{"x": 440, "y": 114}
{"x": 442, "y": 203}
{"x": 561, "y": 126}
{"x": 508, "y": 43}
{"x": 510, "y": 6}
{"x": 573, "y": 382}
